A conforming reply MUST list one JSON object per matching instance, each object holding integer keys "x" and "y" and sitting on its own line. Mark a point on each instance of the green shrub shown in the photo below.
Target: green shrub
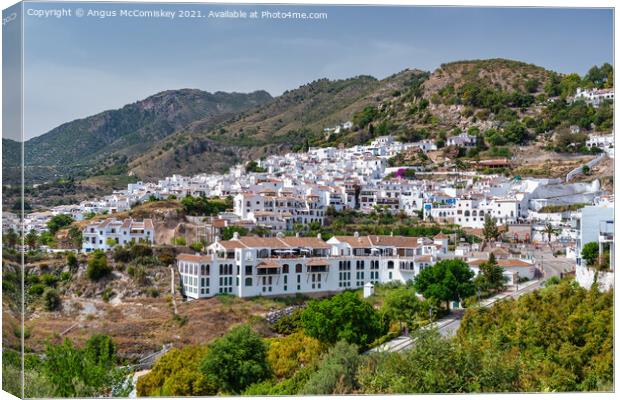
{"x": 36, "y": 289}
{"x": 97, "y": 266}
{"x": 51, "y": 300}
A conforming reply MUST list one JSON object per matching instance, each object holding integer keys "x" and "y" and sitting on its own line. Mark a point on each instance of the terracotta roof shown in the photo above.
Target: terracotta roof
{"x": 424, "y": 258}
{"x": 513, "y": 263}
{"x": 194, "y": 258}
{"x": 268, "y": 264}
{"x": 231, "y": 244}
{"x": 441, "y": 235}
{"x": 255, "y": 241}
{"x": 355, "y": 242}
{"x": 219, "y": 223}
{"x": 310, "y": 242}
{"x": 395, "y": 241}
{"x": 316, "y": 262}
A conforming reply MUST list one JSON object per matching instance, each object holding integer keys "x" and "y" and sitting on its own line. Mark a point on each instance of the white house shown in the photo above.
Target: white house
{"x": 594, "y": 96}
{"x": 461, "y": 140}
{"x": 96, "y": 236}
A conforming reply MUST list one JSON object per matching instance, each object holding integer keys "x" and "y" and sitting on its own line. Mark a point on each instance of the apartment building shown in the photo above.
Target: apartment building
{"x": 255, "y": 266}
{"x": 106, "y": 234}
{"x": 470, "y": 211}
{"x": 594, "y": 96}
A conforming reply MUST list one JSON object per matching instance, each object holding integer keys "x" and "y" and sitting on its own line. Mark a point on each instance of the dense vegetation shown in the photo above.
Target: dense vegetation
{"x": 68, "y": 371}
{"x": 558, "y": 338}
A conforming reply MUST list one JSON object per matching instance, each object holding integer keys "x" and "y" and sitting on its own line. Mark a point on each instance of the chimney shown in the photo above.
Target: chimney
{"x": 296, "y": 234}
{"x": 235, "y": 235}
{"x": 356, "y": 234}
{"x": 217, "y": 239}
{"x": 318, "y": 236}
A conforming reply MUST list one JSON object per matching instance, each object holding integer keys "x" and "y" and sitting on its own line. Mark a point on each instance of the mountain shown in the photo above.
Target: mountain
{"x": 411, "y": 105}
{"x": 283, "y": 124}
{"x": 503, "y": 102}
{"x": 103, "y": 143}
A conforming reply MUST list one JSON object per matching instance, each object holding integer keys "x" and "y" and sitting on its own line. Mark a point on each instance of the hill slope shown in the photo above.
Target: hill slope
{"x": 107, "y": 140}
{"x": 288, "y": 123}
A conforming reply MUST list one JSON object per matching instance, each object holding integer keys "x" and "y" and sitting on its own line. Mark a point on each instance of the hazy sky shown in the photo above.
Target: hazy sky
{"x": 75, "y": 67}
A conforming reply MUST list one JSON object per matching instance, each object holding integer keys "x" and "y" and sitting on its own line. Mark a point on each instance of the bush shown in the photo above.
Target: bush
{"x": 343, "y": 317}
{"x": 289, "y": 323}
{"x": 97, "y": 266}
{"x": 72, "y": 261}
{"x": 177, "y": 373}
{"x": 49, "y": 280}
{"x": 107, "y": 294}
{"x": 286, "y": 355}
{"x": 37, "y": 289}
{"x": 51, "y": 300}
{"x": 336, "y": 372}
{"x": 236, "y": 360}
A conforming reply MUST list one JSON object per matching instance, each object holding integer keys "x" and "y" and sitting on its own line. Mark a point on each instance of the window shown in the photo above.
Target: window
{"x": 248, "y": 281}
{"x": 285, "y": 269}
{"x": 298, "y": 268}
{"x": 248, "y": 270}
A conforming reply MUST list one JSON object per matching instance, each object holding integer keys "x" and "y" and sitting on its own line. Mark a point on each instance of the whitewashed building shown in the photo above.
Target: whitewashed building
{"x": 106, "y": 234}
{"x": 255, "y": 266}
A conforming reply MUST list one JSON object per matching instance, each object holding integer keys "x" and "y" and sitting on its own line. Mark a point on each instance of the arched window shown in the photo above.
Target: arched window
{"x": 390, "y": 265}
{"x": 474, "y": 213}
{"x": 248, "y": 281}
{"x": 467, "y": 213}
{"x": 285, "y": 269}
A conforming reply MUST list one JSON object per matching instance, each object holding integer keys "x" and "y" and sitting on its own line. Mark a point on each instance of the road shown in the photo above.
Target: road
{"x": 449, "y": 325}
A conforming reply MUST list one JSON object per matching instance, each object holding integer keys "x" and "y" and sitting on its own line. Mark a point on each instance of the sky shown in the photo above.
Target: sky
{"x": 76, "y": 67}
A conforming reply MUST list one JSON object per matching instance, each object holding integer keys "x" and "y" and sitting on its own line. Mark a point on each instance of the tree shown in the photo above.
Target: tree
{"x": 550, "y": 231}
{"x": 229, "y": 231}
{"x": 51, "y": 299}
{"x": 447, "y": 280}
{"x": 88, "y": 372}
{"x": 286, "y": 355}
{"x": 59, "y": 221}
{"x": 343, "y": 317}
{"x": 31, "y": 239}
{"x": 196, "y": 246}
{"x": 11, "y": 238}
{"x": 177, "y": 373}
{"x": 236, "y": 360}
{"x": 252, "y": 166}
{"x": 336, "y": 372}
{"x": 72, "y": 261}
{"x": 97, "y": 266}
{"x": 402, "y": 305}
{"x": 110, "y": 242}
{"x": 585, "y": 170}
{"x": 490, "y": 230}
{"x": 589, "y": 253}
{"x": 492, "y": 274}
{"x": 75, "y": 236}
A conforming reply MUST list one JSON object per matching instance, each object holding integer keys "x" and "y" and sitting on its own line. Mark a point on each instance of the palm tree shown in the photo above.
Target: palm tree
{"x": 550, "y": 231}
